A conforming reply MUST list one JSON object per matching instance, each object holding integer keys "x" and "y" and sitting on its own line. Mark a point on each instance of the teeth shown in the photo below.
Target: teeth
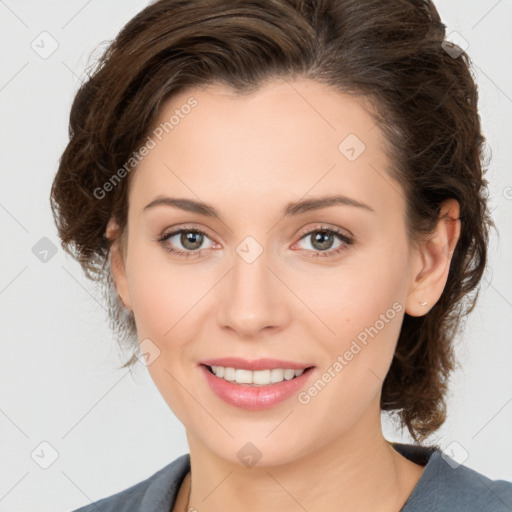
{"x": 257, "y": 378}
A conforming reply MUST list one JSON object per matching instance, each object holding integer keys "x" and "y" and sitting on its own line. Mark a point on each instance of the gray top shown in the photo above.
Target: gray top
{"x": 443, "y": 486}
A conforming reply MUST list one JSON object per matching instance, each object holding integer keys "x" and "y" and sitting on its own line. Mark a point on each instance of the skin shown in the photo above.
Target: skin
{"x": 248, "y": 156}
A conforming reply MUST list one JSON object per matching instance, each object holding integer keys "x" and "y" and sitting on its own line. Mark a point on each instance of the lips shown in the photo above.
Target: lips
{"x": 256, "y": 364}
{"x": 252, "y": 397}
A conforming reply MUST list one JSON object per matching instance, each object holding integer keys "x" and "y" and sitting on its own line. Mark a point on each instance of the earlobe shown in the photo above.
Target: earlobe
{"x": 118, "y": 264}
{"x": 432, "y": 259}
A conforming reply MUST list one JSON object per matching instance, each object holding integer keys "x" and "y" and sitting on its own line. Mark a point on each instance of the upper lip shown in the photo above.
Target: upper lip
{"x": 255, "y": 364}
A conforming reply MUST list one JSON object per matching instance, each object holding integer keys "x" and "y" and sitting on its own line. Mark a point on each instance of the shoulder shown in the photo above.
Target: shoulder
{"x": 446, "y": 485}
{"x": 156, "y": 493}
{"x": 459, "y": 487}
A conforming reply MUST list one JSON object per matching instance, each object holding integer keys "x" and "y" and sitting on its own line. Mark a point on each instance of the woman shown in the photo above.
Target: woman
{"x": 286, "y": 202}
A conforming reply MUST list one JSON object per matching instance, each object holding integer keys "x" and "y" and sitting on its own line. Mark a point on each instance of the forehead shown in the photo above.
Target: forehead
{"x": 287, "y": 137}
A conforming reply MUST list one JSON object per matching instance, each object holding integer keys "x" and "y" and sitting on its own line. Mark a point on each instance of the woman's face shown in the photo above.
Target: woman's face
{"x": 268, "y": 284}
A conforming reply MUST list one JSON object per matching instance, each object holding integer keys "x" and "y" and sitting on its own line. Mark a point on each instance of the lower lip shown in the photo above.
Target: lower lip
{"x": 254, "y": 398}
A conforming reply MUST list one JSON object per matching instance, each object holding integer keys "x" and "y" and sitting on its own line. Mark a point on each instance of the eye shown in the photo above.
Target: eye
{"x": 322, "y": 240}
{"x": 191, "y": 239}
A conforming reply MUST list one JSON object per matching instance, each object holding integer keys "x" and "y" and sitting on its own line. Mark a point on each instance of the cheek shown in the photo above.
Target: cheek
{"x": 363, "y": 308}
{"x": 160, "y": 292}
{"x": 163, "y": 299}
{"x": 154, "y": 303}
{"x": 353, "y": 296}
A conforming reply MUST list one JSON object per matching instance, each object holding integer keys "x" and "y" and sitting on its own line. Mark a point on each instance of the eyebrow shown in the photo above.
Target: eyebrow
{"x": 291, "y": 209}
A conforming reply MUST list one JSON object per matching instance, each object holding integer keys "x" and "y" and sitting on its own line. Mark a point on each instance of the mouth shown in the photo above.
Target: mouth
{"x": 255, "y": 378}
{"x": 256, "y": 390}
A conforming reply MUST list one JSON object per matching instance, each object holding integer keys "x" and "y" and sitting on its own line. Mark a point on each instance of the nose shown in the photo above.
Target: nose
{"x": 253, "y": 298}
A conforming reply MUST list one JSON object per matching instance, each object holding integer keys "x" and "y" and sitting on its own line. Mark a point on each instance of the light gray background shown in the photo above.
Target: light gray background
{"x": 60, "y": 384}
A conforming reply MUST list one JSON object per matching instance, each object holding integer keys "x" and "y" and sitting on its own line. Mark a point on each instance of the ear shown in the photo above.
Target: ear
{"x": 118, "y": 262}
{"x": 431, "y": 261}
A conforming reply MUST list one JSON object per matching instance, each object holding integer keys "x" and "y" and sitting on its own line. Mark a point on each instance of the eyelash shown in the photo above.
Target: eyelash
{"x": 347, "y": 241}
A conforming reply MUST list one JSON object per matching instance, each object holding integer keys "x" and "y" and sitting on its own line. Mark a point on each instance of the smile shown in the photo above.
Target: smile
{"x": 255, "y": 390}
{"x": 255, "y": 378}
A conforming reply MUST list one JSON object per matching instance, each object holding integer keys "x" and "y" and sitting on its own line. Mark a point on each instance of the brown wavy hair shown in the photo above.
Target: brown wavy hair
{"x": 393, "y": 54}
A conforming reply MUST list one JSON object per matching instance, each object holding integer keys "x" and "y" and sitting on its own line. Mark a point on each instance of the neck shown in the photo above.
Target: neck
{"x": 358, "y": 471}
